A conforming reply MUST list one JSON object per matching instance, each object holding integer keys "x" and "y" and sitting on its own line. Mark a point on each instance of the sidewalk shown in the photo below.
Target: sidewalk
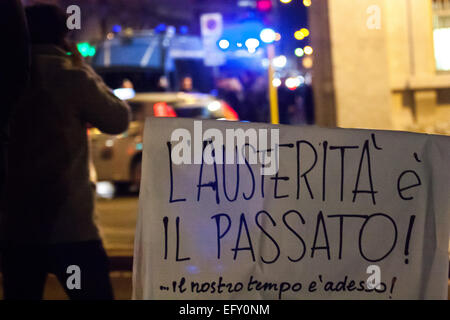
{"x": 121, "y": 282}
{"x": 120, "y": 260}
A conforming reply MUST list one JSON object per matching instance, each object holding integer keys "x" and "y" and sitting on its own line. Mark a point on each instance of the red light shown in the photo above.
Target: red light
{"x": 264, "y": 5}
{"x": 130, "y": 150}
{"x": 162, "y": 109}
{"x": 229, "y": 113}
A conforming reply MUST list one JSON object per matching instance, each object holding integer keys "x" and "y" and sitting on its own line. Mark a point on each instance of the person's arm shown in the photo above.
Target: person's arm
{"x": 98, "y": 105}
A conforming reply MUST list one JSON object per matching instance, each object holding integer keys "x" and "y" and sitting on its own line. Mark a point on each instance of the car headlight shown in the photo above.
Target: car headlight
{"x": 214, "y": 106}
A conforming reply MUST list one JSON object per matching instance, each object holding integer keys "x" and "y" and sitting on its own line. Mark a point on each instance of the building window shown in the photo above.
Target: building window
{"x": 441, "y": 34}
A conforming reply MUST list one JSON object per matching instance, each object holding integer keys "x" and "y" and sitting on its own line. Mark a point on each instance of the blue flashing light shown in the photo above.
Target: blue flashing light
{"x": 184, "y": 29}
{"x": 160, "y": 27}
{"x": 117, "y": 28}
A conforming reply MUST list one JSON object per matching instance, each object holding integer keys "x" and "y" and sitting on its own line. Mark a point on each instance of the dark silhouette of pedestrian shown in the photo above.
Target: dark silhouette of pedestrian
{"x": 14, "y": 66}
{"x": 47, "y": 216}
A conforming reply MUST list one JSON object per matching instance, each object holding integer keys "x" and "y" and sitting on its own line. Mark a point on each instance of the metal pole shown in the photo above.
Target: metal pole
{"x": 273, "y": 95}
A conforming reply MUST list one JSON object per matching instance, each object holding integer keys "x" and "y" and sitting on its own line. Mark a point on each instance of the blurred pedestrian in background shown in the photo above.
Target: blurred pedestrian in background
{"x": 127, "y": 83}
{"x": 46, "y": 221}
{"x": 296, "y": 105}
{"x": 230, "y": 90}
{"x": 256, "y": 100}
{"x": 253, "y": 99}
{"x": 186, "y": 84}
{"x": 163, "y": 84}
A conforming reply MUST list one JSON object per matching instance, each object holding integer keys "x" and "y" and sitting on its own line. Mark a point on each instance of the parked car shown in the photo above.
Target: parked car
{"x": 118, "y": 158}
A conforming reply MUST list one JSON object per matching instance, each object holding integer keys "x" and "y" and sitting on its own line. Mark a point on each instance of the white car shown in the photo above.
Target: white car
{"x": 117, "y": 158}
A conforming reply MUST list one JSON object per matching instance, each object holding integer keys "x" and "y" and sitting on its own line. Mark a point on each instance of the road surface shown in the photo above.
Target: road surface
{"x": 117, "y": 222}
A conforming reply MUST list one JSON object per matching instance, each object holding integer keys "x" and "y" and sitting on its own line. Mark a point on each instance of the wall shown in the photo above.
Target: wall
{"x": 383, "y": 75}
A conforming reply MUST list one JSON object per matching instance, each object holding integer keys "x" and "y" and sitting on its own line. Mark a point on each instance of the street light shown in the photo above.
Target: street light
{"x": 224, "y": 44}
{"x": 307, "y": 62}
{"x": 299, "y": 52}
{"x": 276, "y": 82}
{"x": 305, "y": 32}
{"x": 267, "y": 35}
{"x": 299, "y": 35}
{"x": 279, "y": 62}
{"x": 252, "y": 44}
{"x": 308, "y": 50}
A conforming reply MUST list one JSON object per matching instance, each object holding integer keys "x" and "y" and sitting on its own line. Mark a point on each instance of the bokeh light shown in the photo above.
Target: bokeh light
{"x": 305, "y": 32}
{"x": 267, "y": 35}
{"x": 299, "y": 35}
{"x": 224, "y": 44}
{"x": 307, "y": 62}
{"x": 299, "y": 52}
{"x": 308, "y": 50}
{"x": 279, "y": 62}
{"x": 276, "y": 82}
{"x": 252, "y": 44}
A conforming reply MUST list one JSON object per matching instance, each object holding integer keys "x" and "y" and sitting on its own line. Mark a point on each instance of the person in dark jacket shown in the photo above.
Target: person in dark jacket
{"x": 47, "y": 217}
{"x": 14, "y": 66}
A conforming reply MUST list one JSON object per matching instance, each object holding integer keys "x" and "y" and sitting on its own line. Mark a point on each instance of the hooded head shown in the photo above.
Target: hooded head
{"x": 47, "y": 24}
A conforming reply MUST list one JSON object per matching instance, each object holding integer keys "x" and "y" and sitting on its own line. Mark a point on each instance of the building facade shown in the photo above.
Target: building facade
{"x": 382, "y": 64}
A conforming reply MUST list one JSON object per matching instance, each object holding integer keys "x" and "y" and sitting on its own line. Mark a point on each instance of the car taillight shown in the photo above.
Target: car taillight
{"x": 162, "y": 109}
{"x": 228, "y": 112}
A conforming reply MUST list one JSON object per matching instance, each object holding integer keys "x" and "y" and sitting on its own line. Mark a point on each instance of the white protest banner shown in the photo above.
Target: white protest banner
{"x": 346, "y": 214}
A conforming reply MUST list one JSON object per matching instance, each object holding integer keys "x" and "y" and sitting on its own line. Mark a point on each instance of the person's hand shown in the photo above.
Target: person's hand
{"x": 76, "y": 56}
{"x": 79, "y": 61}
